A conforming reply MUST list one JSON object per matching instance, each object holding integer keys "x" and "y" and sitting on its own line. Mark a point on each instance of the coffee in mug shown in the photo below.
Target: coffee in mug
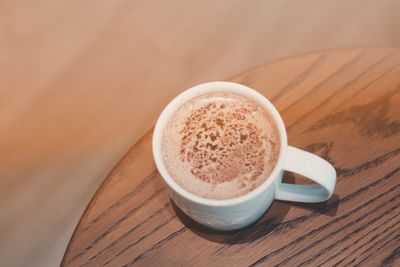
{"x": 220, "y": 145}
{"x": 221, "y": 148}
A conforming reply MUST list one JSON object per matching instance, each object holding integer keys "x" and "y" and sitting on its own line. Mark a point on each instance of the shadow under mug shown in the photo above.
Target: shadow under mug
{"x": 235, "y": 213}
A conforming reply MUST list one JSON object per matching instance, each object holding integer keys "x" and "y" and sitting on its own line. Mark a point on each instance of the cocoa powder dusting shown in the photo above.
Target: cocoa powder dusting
{"x": 240, "y": 144}
{"x": 220, "y": 145}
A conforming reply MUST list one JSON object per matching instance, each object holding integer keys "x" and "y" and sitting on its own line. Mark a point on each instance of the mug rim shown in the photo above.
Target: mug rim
{"x": 204, "y": 88}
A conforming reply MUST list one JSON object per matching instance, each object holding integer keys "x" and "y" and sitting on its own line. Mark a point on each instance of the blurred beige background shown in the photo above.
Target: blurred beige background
{"x": 81, "y": 81}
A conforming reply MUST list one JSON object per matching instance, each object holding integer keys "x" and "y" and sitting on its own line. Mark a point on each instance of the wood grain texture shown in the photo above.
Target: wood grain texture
{"x": 343, "y": 105}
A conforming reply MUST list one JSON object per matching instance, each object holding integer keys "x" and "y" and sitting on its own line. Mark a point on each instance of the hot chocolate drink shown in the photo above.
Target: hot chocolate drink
{"x": 220, "y": 145}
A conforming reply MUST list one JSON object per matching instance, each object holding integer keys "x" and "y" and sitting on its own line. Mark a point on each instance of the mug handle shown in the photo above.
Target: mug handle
{"x": 312, "y": 167}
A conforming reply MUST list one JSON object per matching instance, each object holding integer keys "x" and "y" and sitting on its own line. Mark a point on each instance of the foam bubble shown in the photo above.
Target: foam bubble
{"x": 220, "y": 145}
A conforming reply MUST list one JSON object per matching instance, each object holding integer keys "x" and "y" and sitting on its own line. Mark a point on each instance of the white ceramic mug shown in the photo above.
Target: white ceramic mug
{"x": 235, "y": 213}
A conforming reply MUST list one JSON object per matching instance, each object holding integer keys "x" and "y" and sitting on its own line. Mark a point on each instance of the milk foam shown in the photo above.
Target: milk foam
{"x": 220, "y": 145}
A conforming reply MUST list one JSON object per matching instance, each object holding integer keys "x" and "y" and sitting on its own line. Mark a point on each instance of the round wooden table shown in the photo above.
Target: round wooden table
{"x": 343, "y": 105}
